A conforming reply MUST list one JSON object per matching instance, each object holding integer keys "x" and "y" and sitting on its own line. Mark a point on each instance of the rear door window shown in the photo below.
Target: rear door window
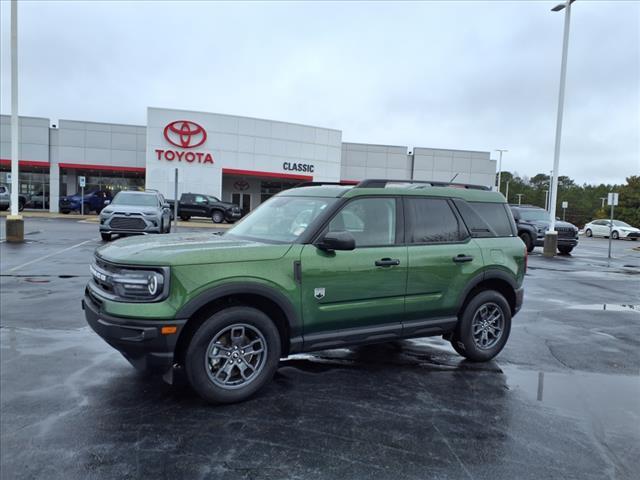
{"x": 432, "y": 220}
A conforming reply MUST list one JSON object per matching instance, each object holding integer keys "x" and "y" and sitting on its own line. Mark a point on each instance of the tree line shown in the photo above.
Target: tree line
{"x": 585, "y": 201}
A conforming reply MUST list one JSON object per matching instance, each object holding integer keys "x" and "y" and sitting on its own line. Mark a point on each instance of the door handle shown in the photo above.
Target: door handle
{"x": 387, "y": 262}
{"x": 463, "y": 258}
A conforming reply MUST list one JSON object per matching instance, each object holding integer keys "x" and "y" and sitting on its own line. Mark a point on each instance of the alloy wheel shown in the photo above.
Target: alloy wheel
{"x": 236, "y": 356}
{"x": 487, "y": 325}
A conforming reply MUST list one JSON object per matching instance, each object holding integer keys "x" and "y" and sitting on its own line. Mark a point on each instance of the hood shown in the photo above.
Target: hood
{"x": 188, "y": 249}
{"x": 129, "y": 209}
{"x": 545, "y": 223}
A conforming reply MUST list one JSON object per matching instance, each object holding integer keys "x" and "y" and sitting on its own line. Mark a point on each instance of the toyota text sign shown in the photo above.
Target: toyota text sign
{"x": 184, "y": 134}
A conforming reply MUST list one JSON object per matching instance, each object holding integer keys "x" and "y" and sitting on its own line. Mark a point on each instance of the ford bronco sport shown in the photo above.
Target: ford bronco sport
{"x": 312, "y": 268}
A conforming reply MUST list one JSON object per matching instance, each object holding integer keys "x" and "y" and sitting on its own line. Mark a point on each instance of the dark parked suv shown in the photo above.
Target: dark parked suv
{"x": 533, "y": 223}
{"x": 312, "y": 268}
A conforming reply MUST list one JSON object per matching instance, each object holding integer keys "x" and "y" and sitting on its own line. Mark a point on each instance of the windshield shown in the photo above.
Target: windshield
{"x": 620, "y": 223}
{"x": 532, "y": 214}
{"x": 281, "y": 219}
{"x": 212, "y": 199}
{"x": 135, "y": 199}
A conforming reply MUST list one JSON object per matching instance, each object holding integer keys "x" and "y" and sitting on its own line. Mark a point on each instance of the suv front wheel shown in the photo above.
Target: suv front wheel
{"x": 232, "y": 355}
{"x": 483, "y": 327}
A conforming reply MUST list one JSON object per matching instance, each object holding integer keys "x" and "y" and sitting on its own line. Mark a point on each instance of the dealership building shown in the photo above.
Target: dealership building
{"x": 238, "y": 159}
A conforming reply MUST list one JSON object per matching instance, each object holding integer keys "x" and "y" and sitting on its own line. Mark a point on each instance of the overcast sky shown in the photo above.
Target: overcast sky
{"x": 465, "y": 75}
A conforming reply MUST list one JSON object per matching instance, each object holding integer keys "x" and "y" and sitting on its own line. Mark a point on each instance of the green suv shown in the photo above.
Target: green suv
{"x": 312, "y": 268}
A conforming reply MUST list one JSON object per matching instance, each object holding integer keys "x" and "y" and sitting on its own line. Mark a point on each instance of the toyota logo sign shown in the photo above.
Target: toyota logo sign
{"x": 185, "y": 134}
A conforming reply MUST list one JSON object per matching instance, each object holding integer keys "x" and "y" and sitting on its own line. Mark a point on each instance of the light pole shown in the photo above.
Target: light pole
{"x": 500, "y": 165}
{"x": 551, "y": 237}
{"x": 603, "y": 199}
{"x": 519, "y": 195}
{"x": 15, "y": 224}
{"x": 546, "y": 200}
{"x": 506, "y": 194}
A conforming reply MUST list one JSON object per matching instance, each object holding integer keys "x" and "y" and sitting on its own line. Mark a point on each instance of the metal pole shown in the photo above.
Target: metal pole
{"x": 603, "y": 199}
{"x": 546, "y": 200}
{"x": 610, "y": 229}
{"x": 556, "y": 152}
{"x": 175, "y": 202}
{"x": 500, "y": 165}
{"x": 564, "y": 214}
{"x": 81, "y": 200}
{"x": 520, "y": 195}
{"x": 14, "y": 109}
{"x": 506, "y": 195}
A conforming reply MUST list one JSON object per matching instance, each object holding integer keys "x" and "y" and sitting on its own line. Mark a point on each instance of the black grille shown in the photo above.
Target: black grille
{"x": 127, "y": 223}
{"x": 566, "y": 231}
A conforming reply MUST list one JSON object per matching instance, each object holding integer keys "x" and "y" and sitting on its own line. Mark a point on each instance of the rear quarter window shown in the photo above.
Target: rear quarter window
{"x": 497, "y": 216}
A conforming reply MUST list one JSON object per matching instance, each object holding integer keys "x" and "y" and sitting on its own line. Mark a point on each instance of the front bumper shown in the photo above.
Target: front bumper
{"x": 231, "y": 215}
{"x": 139, "y": 341}
{"x": 562, "y": 241}
{"x": 629, "y": 234}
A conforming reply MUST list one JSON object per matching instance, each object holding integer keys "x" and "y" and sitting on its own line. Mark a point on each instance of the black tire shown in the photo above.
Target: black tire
{"x": 565, "y": 250}
{"x": 66, "y": 212}
{"x": 185, "y": 218}
{"x": 217, "y": 216}
{"x": 615, "y": 235}
{"x": 161, "y": 227}
{"x": 196, "y": 366}
{"x": 588, "y": 232}
{"x": 463, "y": 340}
{"x": 634, "y": 239}
{"x": 21, "y": 206}
{"x": 106, "y": 237}
{"x": 528, "y": 241}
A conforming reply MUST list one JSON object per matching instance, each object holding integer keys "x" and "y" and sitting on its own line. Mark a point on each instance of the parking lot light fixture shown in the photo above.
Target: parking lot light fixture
{"x": 551, "y": 237}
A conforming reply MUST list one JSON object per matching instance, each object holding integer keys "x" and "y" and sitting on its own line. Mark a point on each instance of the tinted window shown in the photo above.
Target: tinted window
{"x": 475, "y": 223}
{"x": 372, "y": 221}
{"x": 431, "y": 220}
{"x": 200, "y": 199}
{"x": 135, "y": 199}
{"x": 495, "y": 214}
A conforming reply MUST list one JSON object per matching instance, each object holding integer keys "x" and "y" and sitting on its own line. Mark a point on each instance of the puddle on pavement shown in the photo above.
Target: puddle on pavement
{"x": 609, "y": 307}
{"x": 611, "y": 399}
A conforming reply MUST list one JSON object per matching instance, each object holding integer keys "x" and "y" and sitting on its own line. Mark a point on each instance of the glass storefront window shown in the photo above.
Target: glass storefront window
{"x": 33, "y": 182}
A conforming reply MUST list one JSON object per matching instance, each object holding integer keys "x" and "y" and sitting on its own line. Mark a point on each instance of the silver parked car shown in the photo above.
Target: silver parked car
{"x": 135, "y": 212}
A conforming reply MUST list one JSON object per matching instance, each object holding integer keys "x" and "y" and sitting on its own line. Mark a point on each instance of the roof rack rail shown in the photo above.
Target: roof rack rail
{"x": 382, "y": 183}
{"x": 317, "y": 184}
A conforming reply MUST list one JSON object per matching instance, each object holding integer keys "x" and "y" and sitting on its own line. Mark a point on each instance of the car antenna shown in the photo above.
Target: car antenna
{"x": 454, "y": 177}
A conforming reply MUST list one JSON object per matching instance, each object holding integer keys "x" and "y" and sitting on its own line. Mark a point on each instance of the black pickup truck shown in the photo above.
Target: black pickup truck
{"x": 201, "y": 205}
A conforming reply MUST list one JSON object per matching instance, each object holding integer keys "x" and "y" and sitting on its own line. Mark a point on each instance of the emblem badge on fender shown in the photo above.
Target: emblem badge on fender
{"x": 318, "y": 293}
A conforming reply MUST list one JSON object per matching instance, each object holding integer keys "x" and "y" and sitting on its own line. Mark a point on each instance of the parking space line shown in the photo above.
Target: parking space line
{"x": 50, "y": 255}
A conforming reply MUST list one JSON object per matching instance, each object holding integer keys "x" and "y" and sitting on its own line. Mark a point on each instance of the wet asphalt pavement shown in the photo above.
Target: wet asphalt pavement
{"x": 561, "y": 401}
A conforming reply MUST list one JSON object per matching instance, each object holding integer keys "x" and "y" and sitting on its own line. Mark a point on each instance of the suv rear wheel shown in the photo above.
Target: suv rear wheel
{"x": 232, "y": 355}
{"x": 483, "y": 327}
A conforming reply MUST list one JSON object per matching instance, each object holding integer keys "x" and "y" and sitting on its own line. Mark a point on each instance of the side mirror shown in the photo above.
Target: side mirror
{"x": 337, "y": 241}
{"x": 107, "y": 202}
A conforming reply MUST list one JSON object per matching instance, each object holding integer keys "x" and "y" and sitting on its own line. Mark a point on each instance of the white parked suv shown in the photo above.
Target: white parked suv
{"x": 600, "y": 228}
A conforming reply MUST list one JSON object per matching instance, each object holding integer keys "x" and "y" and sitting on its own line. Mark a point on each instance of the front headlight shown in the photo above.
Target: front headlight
{"x": 131, "y": 284}
{"x": 150, "y": 213}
